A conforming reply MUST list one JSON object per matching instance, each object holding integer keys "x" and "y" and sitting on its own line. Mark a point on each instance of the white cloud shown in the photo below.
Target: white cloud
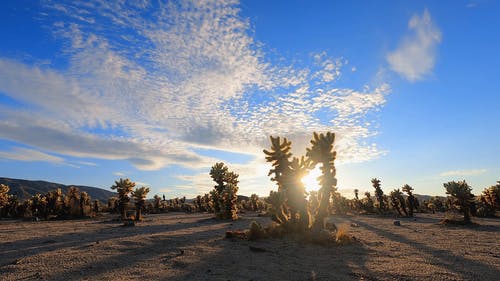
{"x": 30, "y": 155}
{"x": 416, "y": 55}
{"x": 463, "y": 173}
{"x": 149, "y": 89}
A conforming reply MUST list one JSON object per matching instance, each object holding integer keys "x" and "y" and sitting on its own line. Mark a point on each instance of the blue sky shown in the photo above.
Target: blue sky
{"x": 91, "y": 91}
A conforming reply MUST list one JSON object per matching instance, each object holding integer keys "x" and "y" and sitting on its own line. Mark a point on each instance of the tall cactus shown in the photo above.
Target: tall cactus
{"x": 411, "y": 199}
{"x": 291, "y": 195}
{"x": 322, "y": 153}
{"x": 279, "y": 156}
{"x": 379, "y": 194}
{"x": 124, "y": 188}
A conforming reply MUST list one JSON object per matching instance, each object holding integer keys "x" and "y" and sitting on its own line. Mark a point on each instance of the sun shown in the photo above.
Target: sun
{"x": 311, "y": 180}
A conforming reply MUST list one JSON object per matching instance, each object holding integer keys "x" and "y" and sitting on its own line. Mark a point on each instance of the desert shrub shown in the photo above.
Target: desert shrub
{"x": 223, "y": 195}
{"x": 460, "y": 197}
{"x": 256, "y": 231}
{"x": 124, "y": 188}
{"x": 342, "y": 236}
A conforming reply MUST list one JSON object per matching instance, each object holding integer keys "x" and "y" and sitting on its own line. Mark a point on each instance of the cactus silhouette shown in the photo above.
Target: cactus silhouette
{"x": 124, "y": 188}
{"x": 398, "y": 202}
{"x": 322, "y": 153}
{"x": 412, "y": 204}
{"x": 379, "y": 194}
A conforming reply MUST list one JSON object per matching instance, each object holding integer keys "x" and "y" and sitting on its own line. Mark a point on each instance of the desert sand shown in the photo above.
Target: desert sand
{"x": 178, "y": 246}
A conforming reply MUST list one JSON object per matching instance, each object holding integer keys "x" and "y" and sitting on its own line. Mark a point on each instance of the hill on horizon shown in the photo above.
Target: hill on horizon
{"x": 24, "y": 189}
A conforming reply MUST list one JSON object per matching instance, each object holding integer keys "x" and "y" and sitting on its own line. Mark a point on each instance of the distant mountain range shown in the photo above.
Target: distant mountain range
{"x": 24, "y": 189}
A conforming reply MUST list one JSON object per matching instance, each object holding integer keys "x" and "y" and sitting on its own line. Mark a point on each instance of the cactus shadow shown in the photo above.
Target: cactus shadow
{"x": 466, "y": 268}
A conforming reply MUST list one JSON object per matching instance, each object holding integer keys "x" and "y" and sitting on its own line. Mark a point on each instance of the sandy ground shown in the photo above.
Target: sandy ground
{"x": 179, "y": 246}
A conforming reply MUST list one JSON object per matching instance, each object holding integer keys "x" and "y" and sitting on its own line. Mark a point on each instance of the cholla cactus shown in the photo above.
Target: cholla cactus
{"x": 72, "y": 202}
{"x": 85, "y": 203}
{"x": 156, "y": 203}
{"x": 224, "y": 196}
{"x": 277, "y": 209}
{"x": 461, "y": 197}
{"x": 492, "y": 197}
{"x": 207, "y": 203}
{"x": 322, "y": 153}
{"x": 279, "y": 156}
{"x": 254, "y": 202}
{"x": 368, "y": 205}
{"x": 356, "y": 202}
{"x": 412, "y": 202}
{"x": 291, "y": 194}
{"x": 398, "y": 202}
{"x": 4, "y": 199}
{"x": 379, "y": 194}
{"x": 139, "y": 195}
{"x": 112, "y": 204}
{"x": 39, "y": 205}
{"x": 96, "y": 207}
{"x": 55, "y": 202}
{"x": 339, "y": 204}
{"x": 124, "y": 188}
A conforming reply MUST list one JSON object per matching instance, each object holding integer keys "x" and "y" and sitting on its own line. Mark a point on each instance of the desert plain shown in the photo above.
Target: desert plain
{"x": 183, "y": 246}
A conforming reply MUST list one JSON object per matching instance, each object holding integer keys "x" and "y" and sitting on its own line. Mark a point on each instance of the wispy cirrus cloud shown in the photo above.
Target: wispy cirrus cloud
{"x": 463, "y": 173}
{"x": 415, "y": 56}
{"x": 29, "y": 155}
{"x": 149, "y": 82}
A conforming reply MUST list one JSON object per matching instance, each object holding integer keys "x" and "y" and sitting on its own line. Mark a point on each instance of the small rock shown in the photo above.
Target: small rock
{"x": 397, "y": 223}
{"x": 353, "y": 224}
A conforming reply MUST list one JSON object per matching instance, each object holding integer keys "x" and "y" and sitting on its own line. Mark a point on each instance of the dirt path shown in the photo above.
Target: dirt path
{"x": 180, "y": 246}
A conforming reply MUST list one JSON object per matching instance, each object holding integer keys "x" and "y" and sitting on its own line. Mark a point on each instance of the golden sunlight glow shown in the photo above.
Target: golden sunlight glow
{"x": 311, "y": 180}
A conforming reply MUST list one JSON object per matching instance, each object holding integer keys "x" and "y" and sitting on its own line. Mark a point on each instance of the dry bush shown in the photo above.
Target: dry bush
{"x": 341, "y": 236}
